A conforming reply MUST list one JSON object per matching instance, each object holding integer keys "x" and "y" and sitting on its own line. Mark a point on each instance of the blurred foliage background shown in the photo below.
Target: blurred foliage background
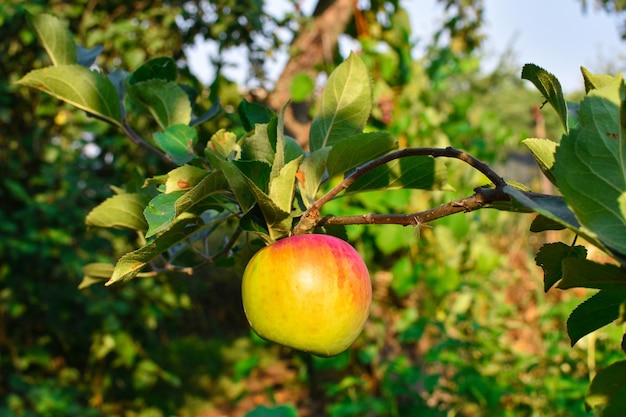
{"x": 460, "y": 324}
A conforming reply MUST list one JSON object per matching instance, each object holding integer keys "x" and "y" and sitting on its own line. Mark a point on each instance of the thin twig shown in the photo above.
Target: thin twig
{"x": 311, "y": 216}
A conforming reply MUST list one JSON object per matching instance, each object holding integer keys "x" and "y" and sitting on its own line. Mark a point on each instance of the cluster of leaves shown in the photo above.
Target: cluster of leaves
{"x": 242, "y": 189}
{"x": 588, "y": 166}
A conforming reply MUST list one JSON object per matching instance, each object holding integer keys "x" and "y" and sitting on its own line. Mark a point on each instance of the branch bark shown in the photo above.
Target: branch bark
{"x": 311, "y": 217}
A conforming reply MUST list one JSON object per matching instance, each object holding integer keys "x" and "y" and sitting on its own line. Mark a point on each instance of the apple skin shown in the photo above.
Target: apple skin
{"x": 308, "y": 292}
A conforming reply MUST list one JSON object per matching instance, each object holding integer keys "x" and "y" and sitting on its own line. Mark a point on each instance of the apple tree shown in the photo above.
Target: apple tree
{"x": 250, "y": 185}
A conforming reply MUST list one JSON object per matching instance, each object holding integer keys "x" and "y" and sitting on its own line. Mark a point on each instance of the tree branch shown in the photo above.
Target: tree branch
{"x": 476, "y": 201}
{"x": 311, "y": 216}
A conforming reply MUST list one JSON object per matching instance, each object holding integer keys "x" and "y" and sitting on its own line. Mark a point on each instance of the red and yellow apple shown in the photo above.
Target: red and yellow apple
{"x": 308, "y": 292}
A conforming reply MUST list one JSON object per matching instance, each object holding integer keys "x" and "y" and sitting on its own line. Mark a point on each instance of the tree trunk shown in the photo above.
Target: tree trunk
{"x": 313, "y": 47}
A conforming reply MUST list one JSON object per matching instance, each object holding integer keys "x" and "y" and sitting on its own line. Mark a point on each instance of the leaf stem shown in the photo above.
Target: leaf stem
{"x": 138, "y": 140}
{"x": 311, "y": 217}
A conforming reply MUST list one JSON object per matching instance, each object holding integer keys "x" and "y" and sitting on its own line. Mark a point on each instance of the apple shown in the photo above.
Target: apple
{"x": 308, "y": 292}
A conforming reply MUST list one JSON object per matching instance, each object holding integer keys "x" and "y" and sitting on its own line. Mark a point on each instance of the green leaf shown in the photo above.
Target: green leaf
{"x": 237, "y": 181}
{"x": 282, "y": 187}
{"x": 212, "y": 184}
{"x": 590, "y": 170}
{"x": 279, "y": 411}
{"x": 160, "y": 68}
{"x": 165, "y": 100}
{"x": 160, "y": 212}
{"x": 224, "y": 144}
{"x": 345, "y": 104}
{"x": 279, "y": 155}
{"x": 311, "y": 174}
{"x": 95, "y": 273}
{"x": 55, "y": 37}
{"x": 252, "y": 114}
{"x": 550, "y": 258}
{"x": 278, "y": 220}
{"x": 183, "y": 178}
{"x": 131, "y": 264}
{"x": 420, "y": 172}
{"x": 608, "y": 391}
{"x": 601, "y": 309}
{"x": 358, "y": 149}
{"x": 258, "y": 146}
{"x": 178, "y": 141}
{"x": 88, "y": 90}
{"x": 122, "y": 211}
{"x": 555, "y": 209}
{"x": 595, "y": 81}
{"x": 257, "y": 171}
{"x": 588, "y": 274}
{"x": 543, "y": 151}
{"x": 541, "y": 223}
{"x": 550, "y": 87}
{"x": 302, "y": 86}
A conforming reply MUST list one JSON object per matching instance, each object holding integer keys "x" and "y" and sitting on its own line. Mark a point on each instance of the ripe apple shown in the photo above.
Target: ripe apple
{"x": 308, "y": 292}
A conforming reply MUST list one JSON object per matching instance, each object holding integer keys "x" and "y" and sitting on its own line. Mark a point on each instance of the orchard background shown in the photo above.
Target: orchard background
{"x": 460, "y": 322}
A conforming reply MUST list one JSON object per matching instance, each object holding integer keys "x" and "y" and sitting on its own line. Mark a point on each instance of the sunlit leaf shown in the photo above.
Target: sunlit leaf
{"x": 122, "y": 211}
{"x": 55, "y": 37}
{"x": 550, "y": 88}
{"x": 160, "y": 212}
{"x": 358, "y": 149}
{"x": 178, "y": 141}
{"x": 165, "y": 100}
{"x": 131, "y": 264}
{"x": 184, "y": 178}
{"x": 85, "y": 89}
{"x": 95, "y": 273}
{"x": 420, "y": 172}
{"x": 311, "y": 174}
{"x": 543, "y": 151}
{"x": 590, "y": 170}
{"x": 345, "y": 104}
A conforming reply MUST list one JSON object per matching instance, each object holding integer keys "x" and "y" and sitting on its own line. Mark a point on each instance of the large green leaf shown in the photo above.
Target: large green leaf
{"x": 178, "y": 141}
{"x": 358, "y": 149}
{"x": 550, "y": 258}
{"x": 590, "y": 168}
{"x": 160, "y": 212}
{"x": 588, "y": 274}
{"x": 95, "y": 273}
{"x": 601, "y": 309}
{"x": 160, "y": 68}
{"x": 165, "y": 100}
{"x": 553, "y": 208}
{"x": 550, "y": 88}
{"x": 214, "y": 183}
{"x": 88, "y": 90}
{"x": 122, "y": 211}
{"x": 55, "y": 38}
{"x": 420, "y": 172}
{"x": 131, "y": 264}
{"x": 608, "y": 391}
{"x": 345, "y": 104}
